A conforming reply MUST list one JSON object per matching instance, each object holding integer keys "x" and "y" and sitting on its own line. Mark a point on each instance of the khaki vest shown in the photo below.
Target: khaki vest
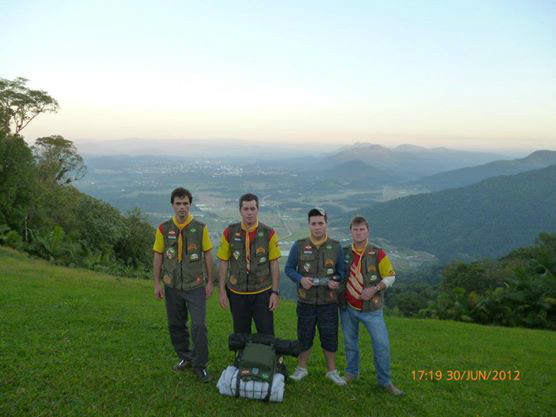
{"x": 371, "y": 276}
{"x": 187, "y": 274}
{"x": 259, "y": 277}
{"x": 317, "y": 263}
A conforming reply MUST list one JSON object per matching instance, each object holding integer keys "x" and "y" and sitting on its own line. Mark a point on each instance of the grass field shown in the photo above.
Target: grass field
{"x": 76, "y": 343}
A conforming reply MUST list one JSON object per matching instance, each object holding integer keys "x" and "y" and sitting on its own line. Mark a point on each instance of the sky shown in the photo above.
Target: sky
{"x": 462, "y": 74}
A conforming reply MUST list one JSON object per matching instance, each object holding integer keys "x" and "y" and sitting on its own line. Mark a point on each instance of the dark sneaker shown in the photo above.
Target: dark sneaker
{"x": 202, "y": 374}
{"x": 182, "y": 365}
{"x": 392, "y": 390}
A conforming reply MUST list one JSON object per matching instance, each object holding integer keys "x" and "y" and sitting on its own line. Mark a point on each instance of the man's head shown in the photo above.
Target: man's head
{"x": 359, "y": 228}
{"x": 181, "y": 200}
{"x": 317, "y": 220}
{"x": 249, "y": 208}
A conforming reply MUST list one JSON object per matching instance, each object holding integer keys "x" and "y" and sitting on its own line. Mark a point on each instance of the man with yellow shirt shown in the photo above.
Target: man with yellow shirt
{"x": 369, "y": 273}
{"x": 248, "y": 270}
{"x": 181, "y": 249}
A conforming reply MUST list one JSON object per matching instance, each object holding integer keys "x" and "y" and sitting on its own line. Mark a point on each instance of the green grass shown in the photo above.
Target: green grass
{"x": 77, "y": 343}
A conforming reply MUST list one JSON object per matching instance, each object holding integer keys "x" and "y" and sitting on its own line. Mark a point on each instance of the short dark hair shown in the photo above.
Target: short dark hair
{"x": 317, "y": 212}
{"x": 181, "y": 193}
{"x": 358, "y": 220}
{"x": 248, "y": 197}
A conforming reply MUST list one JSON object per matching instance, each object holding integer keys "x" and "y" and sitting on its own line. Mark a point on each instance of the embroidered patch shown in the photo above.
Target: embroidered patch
{"x": 329, "y": 271}
{"x": 372, "y": 252}
{"x": 260, "y": 251}
{"x": 172, "y": 233}
{"x": 308, "y": 247}
{"x": 192, "y": 247}
{"x": 374, "y": 277}
{"x": 167, "y": 280}
{"x": 236, "y": 254}
{"x": 371, "y": 268}
{"x": 262, "y": 260}
{"x": 301, "y": 293}
{"x": 194, "y": 257}
{"x": 233, "y": 280}
{"x": 193, "y": 230}
{"x": 328, "y": 247}
{"x": 261, "y": 234}
{"x": 328, "y": 263}
{"x": 238, "y": 234}
{"x": 199, "y": 279}
{"x": 307, "y": 267}
{"x": 170, "y": 253}
{"x": 307, "y": 252}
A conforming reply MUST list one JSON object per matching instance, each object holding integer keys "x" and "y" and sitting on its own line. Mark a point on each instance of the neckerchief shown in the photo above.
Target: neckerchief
{"x": 355, "y": 281}
{"x": 181, "y": 226}
{"x": 248, "y": 230}
{"x": 319, "y": 242}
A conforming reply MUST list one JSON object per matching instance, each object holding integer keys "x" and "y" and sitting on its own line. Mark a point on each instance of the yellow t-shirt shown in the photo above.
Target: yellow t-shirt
{"x": 159, "y": 238}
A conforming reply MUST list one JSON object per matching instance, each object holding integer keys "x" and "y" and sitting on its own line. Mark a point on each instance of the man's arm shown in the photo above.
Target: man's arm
{"x": 222, "y": 274}
{"x": 209, "y": 263}
{"x": 275, "y": 274}
{"x": 157, "y": 268}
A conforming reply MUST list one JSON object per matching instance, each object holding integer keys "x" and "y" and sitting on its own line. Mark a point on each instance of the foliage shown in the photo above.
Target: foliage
{"x": 517, "y": 290}
{"x": 19, "y": 105}
{"x": 57, "y": 160}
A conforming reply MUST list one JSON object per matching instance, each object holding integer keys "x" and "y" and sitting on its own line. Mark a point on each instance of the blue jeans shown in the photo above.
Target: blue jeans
{"x": 374, "y": 323}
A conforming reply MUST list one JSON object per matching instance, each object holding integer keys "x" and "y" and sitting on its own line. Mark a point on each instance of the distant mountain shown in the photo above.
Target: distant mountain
{"x": 406, "y": 161}
{"x": 358, "y": 173}
{"x": 487, "y": 219}
{"x": 471, "y": 175}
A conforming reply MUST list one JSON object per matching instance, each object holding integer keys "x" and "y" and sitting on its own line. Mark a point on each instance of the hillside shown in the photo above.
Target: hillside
{"x": 76, "y": 343}
{"x": 487, "y": 219}
{"x": 470, "y": 175}
{"x": 406, "y": 161}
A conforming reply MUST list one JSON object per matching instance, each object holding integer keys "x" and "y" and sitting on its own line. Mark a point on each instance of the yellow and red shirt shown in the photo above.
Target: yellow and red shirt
{"x": 225, "y": 251}
{"x": 354, "y": 285}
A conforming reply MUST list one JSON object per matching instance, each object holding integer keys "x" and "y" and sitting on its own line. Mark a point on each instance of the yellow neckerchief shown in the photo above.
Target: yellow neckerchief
{"x": 361, "y": 253}
{"x": 180, "y": 226}
{"x": 318, "y": 243}
{"x": 248, "y": 242}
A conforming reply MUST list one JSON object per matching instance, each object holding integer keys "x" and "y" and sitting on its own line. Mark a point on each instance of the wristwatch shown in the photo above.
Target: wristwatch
{"x": 277, "y": 292}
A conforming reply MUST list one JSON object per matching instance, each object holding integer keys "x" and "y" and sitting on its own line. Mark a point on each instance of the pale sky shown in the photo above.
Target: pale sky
{"x": 463, "y": 74}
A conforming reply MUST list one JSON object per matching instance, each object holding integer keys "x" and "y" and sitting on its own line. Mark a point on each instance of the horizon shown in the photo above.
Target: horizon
{"x": 470, "y": 76}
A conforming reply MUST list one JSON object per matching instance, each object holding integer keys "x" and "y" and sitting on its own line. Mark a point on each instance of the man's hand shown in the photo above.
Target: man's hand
{"x": 273, "y": 301}
{"x": 368, "y": 293}
{"x": 208, "y": 289}
{"x": 333, "y": 284}
{"x": 158, "y": 291}
{"x": 223, "y": 299}
{"x": 306, "y": 282}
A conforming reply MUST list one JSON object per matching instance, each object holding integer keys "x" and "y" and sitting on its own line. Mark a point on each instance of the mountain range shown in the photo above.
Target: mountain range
{"x": 486, "y": 219}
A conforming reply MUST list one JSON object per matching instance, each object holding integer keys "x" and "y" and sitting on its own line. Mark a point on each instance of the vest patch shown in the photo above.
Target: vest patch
{"x": 371, "y": 268}
{"x": 329, "y": 263}
{"x": 170, "y": 253}
{"x": 236, "y": 254}
{"x": 301, "y": 293}
{"x": 260, "y": 251}
{"x": 194, "y": 257}
{"x": 233, "y": 280}
{"x": 307, "y": 267}
{"x": 192, "y": 247}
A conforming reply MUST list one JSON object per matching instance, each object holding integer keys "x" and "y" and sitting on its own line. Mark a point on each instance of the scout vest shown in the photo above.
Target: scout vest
{"x": 317, "y": 263}
{"x": 371, "y": 276}
{"x": 259, "y": 276}
{"x": 187, "y": 274}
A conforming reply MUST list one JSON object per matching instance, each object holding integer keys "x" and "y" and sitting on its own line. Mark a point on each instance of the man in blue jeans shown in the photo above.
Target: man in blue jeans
{"x": 369, "y": 272}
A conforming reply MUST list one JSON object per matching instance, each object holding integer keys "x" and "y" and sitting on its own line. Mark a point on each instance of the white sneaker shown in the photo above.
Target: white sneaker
{"x": 299, "y": 374}
{"x": 335, "y": 377}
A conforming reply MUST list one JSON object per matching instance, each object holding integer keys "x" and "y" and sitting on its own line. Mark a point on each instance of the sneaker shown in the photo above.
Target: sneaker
{"x": 182, "y": 365}
{"x": 391, "y": 389}
{"x": 349, "y": 377}
{"x": 202, "y": 374}
{"x": 299, "y": 374}
{"x": 335, "y": 377}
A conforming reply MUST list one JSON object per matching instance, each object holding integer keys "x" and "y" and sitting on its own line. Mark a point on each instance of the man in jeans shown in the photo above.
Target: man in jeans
{"x": 369, "y": 273}
{"x": 181, "y": 249}
{"x": 316, "y": 265}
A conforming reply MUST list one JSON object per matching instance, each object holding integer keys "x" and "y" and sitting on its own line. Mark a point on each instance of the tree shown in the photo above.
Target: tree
{"x": 57, "y": 160}
{"x": 19, "y": 105}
